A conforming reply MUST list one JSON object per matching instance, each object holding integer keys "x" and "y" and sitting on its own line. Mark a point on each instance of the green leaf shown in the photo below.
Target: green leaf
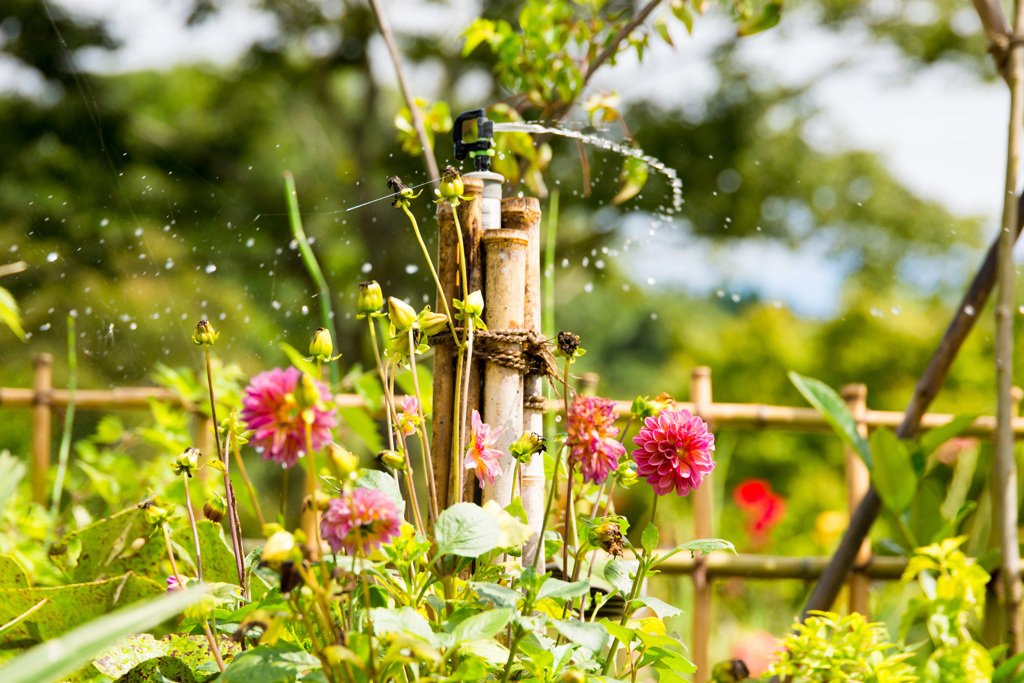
{"x": 893, "y": 475}
{"x": 280, "y": 663}
{"x": 683, "y": 14}
{"x": 662, "y": 609}
{"x": 127, "y": 653}
{"x": 707, "y": 545}
{"x": 619, "y": 631}
{"x": 403, "y": 620}
{"x": 12, "y": 574}
{"x": 931, "y": 440}
{"x": 72, "y": 605}
{"x": 483, "y": 625}
{"x": 103, "y": 541}
{"x": 590, "y": 635}
{"x": 487, "y": 650}
{"x": 834, "y": 409}
{"x": 649, "y": 540}
{"x": 466, "y": 530}
{"x": 159, "y": 670}
{"x": 297, "y": 359}
{"x": 218, "y": 557}
{"x": 617, "y": 573}
{"x": 12, "y": 471}
{"x": 556, "y": 588}
{"x": 51, "y": 660}
{"x": 381, "y": 481}
{"x": 497, "y": 595}
{"x": 9, "y": 313}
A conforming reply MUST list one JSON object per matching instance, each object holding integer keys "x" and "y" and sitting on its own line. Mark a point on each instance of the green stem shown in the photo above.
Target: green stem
{"x": 433, "y": 272}
{"x": 383, "y": 381}
{"x": 284, "y": 496}
{"x": 314, "y": 507}
{"x": 214, "y": 647}
{"x": 170, "y": 555}
{"x": 428, "y": 462}
{"x": 195, "y": 530}
{"x": 69, "y": 421}
{"x": 512, "y": 653}
{"x": 309, "y": 260}
{"x": 547, "y": 509}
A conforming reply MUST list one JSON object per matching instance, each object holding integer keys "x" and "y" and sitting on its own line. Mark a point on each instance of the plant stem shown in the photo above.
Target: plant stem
{"x": 314, "y": 507}
{"x": 383, "y": 381}
{"x": 170, "y": 554}
{"x": 461, "y": 366}
{"x": 512, "y": 653}
{"x": 69, "y": 422}
{"x": 428, "y": 462}
{"x": 195, "y": 530}
{"x": 547, "y": 508}
{"x": 248, "y": 483}
{"x": 284, "y": 495}
{"x": 214, "y": 647}
{"x": 433, "y": 271}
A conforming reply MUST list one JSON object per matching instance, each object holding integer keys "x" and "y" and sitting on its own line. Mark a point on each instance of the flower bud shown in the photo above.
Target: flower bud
{"x": 641, "y": 408}
{"x": 175, "y": 584}
{"x": 319, "y": 502}
{"x": 371, "y": 299}
{"x": 625, "y": 474}
{"x": 432, "y": 323}
{"x": 475, "y": 304}
{"x": 187, "y": 462}
{"x": 307, "y": 394}
{"x": 280, "y": 548}
{"x": 568, "y": 343}
{"x": 322, "y": 346}
{"x": 528, "y": 444}
{"x": 402, "y": 315}
{"x": 607, "y": 536}
{"x": 393, "y": 460}
{"x": 215, "y": 509}
{"x": 204, "y": 334}
{"x": 156, "y": 514}
{"x": 573, "y": 676}
{"x": 341, "y": 462}
{"x": 662, "y": 401}
{"x": 451, "y": 184}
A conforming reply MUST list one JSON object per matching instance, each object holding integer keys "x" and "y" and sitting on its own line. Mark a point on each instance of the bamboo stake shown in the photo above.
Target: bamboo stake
{"x": 523, "y": 214}
{"x": 1004, "y": 466}
{"x": 505, "y": 267}
{"x": 858, "y": 479}
{"x": 42, "y": 422}
{"x": 442, "y": 420}
{"x": 700, "y": 394}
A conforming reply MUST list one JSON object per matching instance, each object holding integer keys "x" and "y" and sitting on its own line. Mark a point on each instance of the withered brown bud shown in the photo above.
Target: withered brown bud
{"x": 568, "y": 343}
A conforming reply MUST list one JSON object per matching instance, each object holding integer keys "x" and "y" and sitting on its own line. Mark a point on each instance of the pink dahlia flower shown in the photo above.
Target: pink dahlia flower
{"x": 409, "y": 418}
{"x": 592, "y": 443}
{"x": 675, "y": 452}
{"x": 270, "y": 410}
{"x": 479, "y": 454}
{"x": 360, "y": 520}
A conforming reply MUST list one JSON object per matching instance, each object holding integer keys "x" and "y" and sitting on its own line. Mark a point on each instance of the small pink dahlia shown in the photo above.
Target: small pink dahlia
{"x": 360, "y": 520}
{"x": 479, "y": 454}
{"x": 409, "y": 418}
{"x": 675, "y": 452}
{"x": 270, "y": 410}
{"x": 591, "y": 441}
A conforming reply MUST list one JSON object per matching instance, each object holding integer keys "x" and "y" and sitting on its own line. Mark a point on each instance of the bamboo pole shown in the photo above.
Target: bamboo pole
{"x": 42, "y": 423}
{"x": 523, "y": 214}
{"x": 1004, "y": 465}
{"x": 858, "y": 479}
{"x": 442, "y": 420}
{"x": 700, "y": 394}
{"x": 505, "y": 256}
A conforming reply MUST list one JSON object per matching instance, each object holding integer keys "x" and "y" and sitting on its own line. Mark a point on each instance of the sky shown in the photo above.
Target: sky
{"x": 939, "y": 129}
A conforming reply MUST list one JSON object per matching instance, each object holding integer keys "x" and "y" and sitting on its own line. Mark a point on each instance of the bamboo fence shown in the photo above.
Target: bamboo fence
{"x": 44, "y": 401}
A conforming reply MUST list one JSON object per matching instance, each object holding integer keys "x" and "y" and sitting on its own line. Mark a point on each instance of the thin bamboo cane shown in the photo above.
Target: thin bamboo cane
{"x": 523, "y": 214}
{"x": 42, "y": 423}
{"x": 442, "y": 420}
{"x": 1004, "y": 465}
{"x": 858, "y": 479}
{"x": 700, "y": 393}
{"x": 505, "y": 255}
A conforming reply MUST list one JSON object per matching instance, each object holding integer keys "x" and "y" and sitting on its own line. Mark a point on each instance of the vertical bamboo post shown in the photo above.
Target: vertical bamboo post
{"x": 523, "y": 214}
{"x": 700, "y": 394}
{"x": 42, "y": 421}
{"x": 858, "y": 479}
{"x": 505, "y": 276}
{"x": 586, "y": 385}
{"x": 444, "y": 353}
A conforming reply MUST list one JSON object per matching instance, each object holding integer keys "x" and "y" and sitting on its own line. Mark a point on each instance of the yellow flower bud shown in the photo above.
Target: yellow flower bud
{"x": 403, "y": 316}
{"x": 342, "y": 462}
{"x": 307, "y": 394}
{"x": 187, "y": 462}
{"x": 204, "y": 334}
{"x": 475, "y": 304}
{"x": 452, "y": 187}
{"x": 432, "y": 323}
{"x": 393, "y": 460}
{"x": 322, "y": 346}
{"x": 573, "y": 676}
{"x": 215, "y": 509}
{"x": 280, "y": 548}
{"x": 371, "y": 299}
{"x": 528, "y": 444}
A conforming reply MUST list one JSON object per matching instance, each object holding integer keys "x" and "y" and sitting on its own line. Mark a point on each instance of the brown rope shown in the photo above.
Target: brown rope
{"x": 533, "y": 357}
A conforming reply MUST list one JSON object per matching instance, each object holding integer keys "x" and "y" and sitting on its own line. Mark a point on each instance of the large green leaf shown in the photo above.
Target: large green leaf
{"x": 893, "y": 475}
{"x": 404, "y": 620}
{"x": 94, "y": 548}
{"x": 562, "y": 590}
{"x": 159, "y": 670}
{"x": 128, "y": 653}
{"x": 51, "y": 660}
{"x": 466, "y": 530}
{"x": 833, "y": 408}
{"x": 483, "y": 625}
{"x": 659, "y": 607}
{"x": 70, "y": 606}
{"x": 931, "y": 440}
{"x": 280, "y": 663}
{"x": 590, "y": 635}
{"x": 375, "y": 479}
{"x": 12, "y": 574}
{"x": 218, "y": 558}
{"x": 617, "y": 573}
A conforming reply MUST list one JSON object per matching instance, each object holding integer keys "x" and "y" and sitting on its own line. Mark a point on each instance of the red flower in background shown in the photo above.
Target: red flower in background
{"x": 762, "y": 508}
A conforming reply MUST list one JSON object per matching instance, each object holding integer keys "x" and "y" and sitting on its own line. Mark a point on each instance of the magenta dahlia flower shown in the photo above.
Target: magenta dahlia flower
{"x": 591, "y": 441}
{"x": 360, "y": 520}
{"x": 675, "y": 452}
{"x": 270, "y": 410}
{"x": 479, "y": 454}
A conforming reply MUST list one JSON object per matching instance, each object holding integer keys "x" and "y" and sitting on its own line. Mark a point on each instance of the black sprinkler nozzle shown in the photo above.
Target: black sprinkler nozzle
{"x": 481, "y": 148}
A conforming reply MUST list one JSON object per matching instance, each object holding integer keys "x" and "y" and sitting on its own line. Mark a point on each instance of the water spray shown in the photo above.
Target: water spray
{"x": 480, "y": 151}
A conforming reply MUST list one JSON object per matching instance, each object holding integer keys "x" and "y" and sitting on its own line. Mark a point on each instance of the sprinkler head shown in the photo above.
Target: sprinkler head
{"x": 481, "y": 150}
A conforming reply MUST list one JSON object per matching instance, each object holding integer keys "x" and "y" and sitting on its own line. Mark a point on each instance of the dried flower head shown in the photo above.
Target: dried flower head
{"x": 593, "y": 447}
{"x": 278, "y": 420}
{"x": 568, "y": 343}
{"x": 480, "y": 456}
{"x": 675, "y": 452}
{"x": 360, "y": 520}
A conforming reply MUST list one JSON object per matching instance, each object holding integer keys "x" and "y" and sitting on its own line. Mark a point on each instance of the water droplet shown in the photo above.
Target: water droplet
{"x": 735, "y": 298}
{"x": 412, "y": 268}
{"x": 44, "y": 327}
{"x": 276, "y": 305}
{"x": 210, "y": 268}
{"x": 589, "y": 287}
{"x": 250, "y": 242}
{"x": 895, "y": 310}
{"x": 654, "y": 316}
{"x": 169, "y": 264}
{"x": 52, "y": 256}
{"x": 650, "y": 280}
{"x": 968, "y": 310}
{"x": 367, "y": 267}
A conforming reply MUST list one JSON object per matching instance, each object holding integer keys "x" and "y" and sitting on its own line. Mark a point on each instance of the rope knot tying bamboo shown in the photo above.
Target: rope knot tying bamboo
{"x": 526, "y": 351}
